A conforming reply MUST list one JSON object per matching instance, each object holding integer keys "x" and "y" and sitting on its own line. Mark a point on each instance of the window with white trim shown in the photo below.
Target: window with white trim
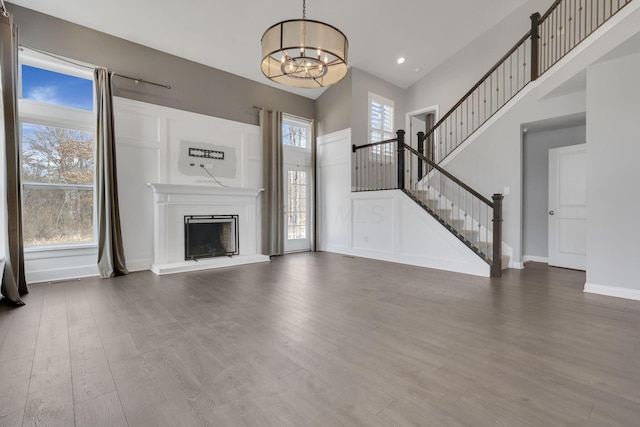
{"x": 381, "y": 118}
{"x": 296, "y": 132}
{"x": 57, "y": 152}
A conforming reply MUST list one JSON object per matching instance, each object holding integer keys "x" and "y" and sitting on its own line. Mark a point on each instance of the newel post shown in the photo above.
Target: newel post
{"x": 496, "y": 264}
{"x": 421, "y": 151}
{"x": 400, "y": 161}
{"x": 535, "y": 46}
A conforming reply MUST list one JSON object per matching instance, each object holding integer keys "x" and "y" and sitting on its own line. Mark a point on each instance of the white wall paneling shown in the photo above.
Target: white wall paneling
{"x": 148, "y": 139}
{"x": 384, "y": 225}
{"x": 334, "y": 191}
{"x": 55, "y": 264}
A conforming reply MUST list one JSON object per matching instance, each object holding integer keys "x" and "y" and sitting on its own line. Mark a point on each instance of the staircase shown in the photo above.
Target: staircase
{"x": 474, "y": 219}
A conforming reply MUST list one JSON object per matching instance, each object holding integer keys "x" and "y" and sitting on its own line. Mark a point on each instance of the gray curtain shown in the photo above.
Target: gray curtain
{"x": 111, "y": 260}
{"x": 273, "y": 182}
{"x": 13, "y": 281}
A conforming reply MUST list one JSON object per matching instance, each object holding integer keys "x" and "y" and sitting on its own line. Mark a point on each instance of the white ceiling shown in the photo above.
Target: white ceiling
{"x": 225, "y": 34}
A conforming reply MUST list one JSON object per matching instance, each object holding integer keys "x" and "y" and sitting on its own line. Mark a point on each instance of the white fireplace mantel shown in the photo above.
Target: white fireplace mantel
{"x": 172, "y": 202}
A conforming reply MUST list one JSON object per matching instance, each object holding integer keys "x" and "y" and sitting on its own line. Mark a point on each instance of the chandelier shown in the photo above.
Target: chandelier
{"x": 304, "y": 53}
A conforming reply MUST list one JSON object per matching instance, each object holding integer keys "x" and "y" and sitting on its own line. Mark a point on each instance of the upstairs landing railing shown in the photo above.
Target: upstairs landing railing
{"x": 551, "y": 37}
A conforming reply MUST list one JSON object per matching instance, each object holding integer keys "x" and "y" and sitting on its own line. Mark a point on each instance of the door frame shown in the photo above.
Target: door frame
{"x": 305, "y": 158}
{"x": 303, "y": 245}
{"x": 407, "y": 119}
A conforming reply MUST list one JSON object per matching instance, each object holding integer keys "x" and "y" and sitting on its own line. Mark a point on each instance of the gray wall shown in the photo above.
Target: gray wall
{"x": 333, "y": 107}
{"x": 448, "y": 82}
{"x": 346, "y": 105}
{"x": 194, "y": 87}
{"x": 363, "y": 83}
{"x": 535, "y": 183}
{"x": 613, "y": 150}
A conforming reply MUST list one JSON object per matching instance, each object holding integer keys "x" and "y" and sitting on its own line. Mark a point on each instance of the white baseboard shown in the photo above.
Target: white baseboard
{"x": 61, "y": 274}
{"x": 612, "y": 291}
{"x": 139, "y": 264}
{"x": 535, "y": 258}
{"x": 480, "y": 269}
{"x": 516, "y": 265}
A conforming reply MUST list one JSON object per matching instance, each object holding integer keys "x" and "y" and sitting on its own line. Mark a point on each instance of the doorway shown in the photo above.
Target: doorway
{"x": 538, "y": 138}
{"x": 420, "y": 121}
{"x": 298, "y": 188}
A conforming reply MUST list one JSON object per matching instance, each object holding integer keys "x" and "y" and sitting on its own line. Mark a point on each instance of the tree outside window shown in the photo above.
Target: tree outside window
{"x": 57, "y": 154}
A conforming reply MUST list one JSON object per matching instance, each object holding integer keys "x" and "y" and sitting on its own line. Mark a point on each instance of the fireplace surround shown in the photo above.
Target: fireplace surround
{"x": 174, "y": 202}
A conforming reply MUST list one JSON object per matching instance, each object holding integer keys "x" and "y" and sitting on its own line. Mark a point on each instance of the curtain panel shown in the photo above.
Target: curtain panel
{"x": 111, "y": 260}
{"x": 13, "y": 280}
{"x": 273, "y": 182}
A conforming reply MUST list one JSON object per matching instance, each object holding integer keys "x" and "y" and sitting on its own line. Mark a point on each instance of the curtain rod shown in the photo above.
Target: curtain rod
{"x": 60, "y": 58}
{"x": 139, "y": 81}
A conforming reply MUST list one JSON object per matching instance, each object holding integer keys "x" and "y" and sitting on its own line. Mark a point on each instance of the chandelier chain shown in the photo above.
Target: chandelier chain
{"x": 304, "y": 9}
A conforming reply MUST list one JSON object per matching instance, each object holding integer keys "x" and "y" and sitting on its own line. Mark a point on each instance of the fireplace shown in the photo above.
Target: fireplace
{"x": 209, "y": 236}
{"x": 173, "y": 203}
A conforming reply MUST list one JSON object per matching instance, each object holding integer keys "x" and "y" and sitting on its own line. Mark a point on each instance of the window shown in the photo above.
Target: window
{"x": 57, "y": 121}
{"x": 297, "y": 193}
{"x": 296, "y": 132}
{"x": 380, "y": 123}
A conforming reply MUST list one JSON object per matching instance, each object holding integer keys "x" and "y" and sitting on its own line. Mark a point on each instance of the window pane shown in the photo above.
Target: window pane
{"x": 380, "y": 120}
{"x": 56, "y": 88}
{"x": 57, "y": 215}
{"x": 297, "y": 204}
{"x": 56, "y": 155}
{"x": 295, "y": 136}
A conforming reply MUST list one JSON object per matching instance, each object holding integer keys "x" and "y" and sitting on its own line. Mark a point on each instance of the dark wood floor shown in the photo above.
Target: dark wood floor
{"x": 321, "y": 339}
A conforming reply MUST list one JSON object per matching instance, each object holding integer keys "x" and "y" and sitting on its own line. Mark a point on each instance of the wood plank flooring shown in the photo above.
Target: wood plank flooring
{"x": 319, "y": 339}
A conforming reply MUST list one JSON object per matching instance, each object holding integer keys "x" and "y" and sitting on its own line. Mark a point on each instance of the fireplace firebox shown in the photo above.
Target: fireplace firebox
{"x": 209, "y": 236}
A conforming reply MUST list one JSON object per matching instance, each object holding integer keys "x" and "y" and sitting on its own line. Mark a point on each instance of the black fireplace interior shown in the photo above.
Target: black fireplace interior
{"x": 208, "y": 236}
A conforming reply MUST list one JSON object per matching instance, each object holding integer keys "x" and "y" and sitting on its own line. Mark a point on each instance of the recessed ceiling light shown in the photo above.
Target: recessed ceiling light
{"x": 400, "y": 60}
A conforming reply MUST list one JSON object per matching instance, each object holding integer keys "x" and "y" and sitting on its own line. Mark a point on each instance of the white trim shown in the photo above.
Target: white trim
{"x": 336, "y": 136}
{"x": 299, "y": 122}
{"x": 62, "y": 274}
{"x": 612, "y": 291}
{"x": 535, "y": 258}
{"x": 55, "y": 63}
{"x": 435, "y": 109}
{"x": 132, "y": 106}
{"x": 207, "y": 190}
{"x": 139, "y": 264}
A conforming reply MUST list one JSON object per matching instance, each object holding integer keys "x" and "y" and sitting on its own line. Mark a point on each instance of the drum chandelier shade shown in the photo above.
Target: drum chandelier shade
{"x": 304, "y": 53}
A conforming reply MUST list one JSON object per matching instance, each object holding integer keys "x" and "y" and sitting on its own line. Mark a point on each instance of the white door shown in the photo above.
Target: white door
{"x": 297, "y": 209}
{"x": 568, "y": 207}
